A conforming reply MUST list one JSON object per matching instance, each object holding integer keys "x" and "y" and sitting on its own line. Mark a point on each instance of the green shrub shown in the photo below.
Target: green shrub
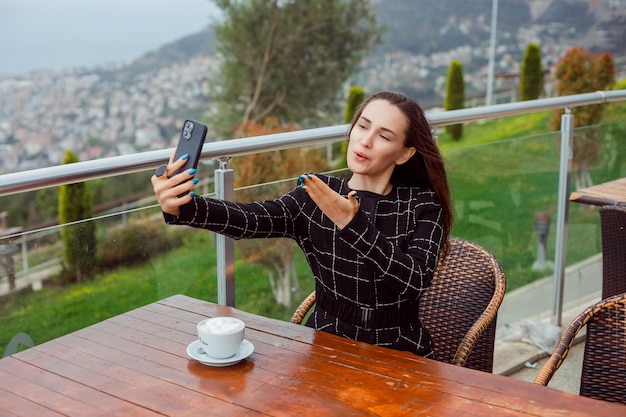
{"x": 135, "y": 243}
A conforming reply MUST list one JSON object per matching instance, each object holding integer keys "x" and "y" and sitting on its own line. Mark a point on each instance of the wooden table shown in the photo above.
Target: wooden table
{"x": 611, "y": 198}
{"x": 611, "y": 193}
{"x": 136, "y": 364}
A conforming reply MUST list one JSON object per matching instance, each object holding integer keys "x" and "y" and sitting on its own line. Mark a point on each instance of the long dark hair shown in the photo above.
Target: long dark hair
{"x": 426, "y": 168}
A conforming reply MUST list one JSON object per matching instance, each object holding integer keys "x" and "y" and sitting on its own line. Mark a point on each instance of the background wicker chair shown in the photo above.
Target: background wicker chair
{"x": 613, "y": 224}
{"x": 604, "y": 360}
{"x": 460, "y": 307}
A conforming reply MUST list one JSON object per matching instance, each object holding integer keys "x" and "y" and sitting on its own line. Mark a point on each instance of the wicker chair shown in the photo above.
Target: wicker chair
{"x": 613, "y": 224}
{"x": 460, "y": 307}
{"x": 604, "y": 361}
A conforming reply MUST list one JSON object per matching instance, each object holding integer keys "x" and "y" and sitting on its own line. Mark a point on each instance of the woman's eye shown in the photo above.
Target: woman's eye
{"x": 384, "y": 137}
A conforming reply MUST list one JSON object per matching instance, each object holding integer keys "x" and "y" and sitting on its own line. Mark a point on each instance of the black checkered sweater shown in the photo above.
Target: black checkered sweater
{"x": 382, "y": 260}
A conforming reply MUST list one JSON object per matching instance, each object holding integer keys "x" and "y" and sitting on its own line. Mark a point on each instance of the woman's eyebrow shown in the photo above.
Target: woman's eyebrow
{"x": 381, "y": 128}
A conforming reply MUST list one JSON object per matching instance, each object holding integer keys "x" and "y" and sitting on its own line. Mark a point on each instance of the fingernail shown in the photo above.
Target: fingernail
{"x": 195, "y": 181}
{"x": 192, "y": 194}
{"x": 308, "y": 176}
{"x": 192, "y": 171}
{"x": 300, "y": 180}
{"x": 186, "y": 156}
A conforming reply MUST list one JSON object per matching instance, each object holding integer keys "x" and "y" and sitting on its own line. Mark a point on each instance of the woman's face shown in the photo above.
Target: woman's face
{"x": 377, "y": 140}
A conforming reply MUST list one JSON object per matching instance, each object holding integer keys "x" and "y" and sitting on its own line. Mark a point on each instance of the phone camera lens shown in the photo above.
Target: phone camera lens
{"x": 187, "y": 129}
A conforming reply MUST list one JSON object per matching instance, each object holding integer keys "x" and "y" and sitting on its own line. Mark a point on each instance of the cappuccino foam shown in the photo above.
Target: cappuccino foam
{"x": 222, "y": 325}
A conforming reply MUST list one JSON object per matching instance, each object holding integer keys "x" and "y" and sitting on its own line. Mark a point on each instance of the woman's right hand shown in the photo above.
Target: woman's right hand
{"x": 341, "y": 210}
{"x": 173, "y": 192}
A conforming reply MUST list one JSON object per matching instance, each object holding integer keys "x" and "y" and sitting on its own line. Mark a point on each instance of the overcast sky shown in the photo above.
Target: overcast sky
{"x": 68, "y": 33}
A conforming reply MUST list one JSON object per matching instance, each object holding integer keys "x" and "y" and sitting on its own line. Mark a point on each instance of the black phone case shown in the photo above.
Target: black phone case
{"x": 192, "y": 137}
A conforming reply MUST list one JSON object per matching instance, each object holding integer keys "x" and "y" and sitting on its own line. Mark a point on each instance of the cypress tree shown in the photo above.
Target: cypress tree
{"x": 455, "y": 96}
{"x": 79, "y": 240}
{"x": 531, "y": 73}
{"x": 356, "y": 95}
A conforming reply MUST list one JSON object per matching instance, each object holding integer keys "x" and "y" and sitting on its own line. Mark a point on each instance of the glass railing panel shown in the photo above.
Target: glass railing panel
{"x": 498, "y": 190}
{"x": 501, "y": 189}
{"x": 138, "y": 260}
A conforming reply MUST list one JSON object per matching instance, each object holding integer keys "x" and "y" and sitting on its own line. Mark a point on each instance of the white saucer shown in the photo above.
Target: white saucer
{"x": 194, "y": 350}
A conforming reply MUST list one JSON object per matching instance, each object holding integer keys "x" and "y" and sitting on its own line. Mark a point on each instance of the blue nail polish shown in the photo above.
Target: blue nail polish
{"x": 192, "y": 194}
{"x": 308, "y": 176}
{"x": 192, "y": 171}
{"x": 185, "y": 156}
{"x": 195, "y": 181}
{"x": 300, "y": 180}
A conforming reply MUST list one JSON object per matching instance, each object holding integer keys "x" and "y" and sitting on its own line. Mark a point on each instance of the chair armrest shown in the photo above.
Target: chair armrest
{"x": 303, "y": 309}
{"x": 485, "y": 319}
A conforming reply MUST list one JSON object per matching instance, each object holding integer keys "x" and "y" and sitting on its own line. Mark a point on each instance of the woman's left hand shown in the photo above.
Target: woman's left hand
{"x": 341, "y": 210}
{"x": 173, "y": 192}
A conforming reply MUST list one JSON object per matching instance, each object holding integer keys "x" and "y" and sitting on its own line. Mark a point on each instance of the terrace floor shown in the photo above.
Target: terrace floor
{"x": 567, "y": 378}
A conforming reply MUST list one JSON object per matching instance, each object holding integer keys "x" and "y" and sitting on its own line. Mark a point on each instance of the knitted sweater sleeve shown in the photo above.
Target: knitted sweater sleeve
{"x": 263, "y": 219}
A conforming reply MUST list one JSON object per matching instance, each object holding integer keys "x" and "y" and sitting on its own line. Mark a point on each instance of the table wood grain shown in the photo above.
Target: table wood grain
{"x": 610, "y": 193}
{"x": 135, "y": 364}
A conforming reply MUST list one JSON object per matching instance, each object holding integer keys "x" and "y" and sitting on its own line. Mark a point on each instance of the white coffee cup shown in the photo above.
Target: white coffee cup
{"x": 221, "y": 337}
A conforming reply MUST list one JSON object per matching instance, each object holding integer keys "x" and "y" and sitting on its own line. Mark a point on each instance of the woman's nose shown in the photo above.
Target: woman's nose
{"x": 366, "y": 139}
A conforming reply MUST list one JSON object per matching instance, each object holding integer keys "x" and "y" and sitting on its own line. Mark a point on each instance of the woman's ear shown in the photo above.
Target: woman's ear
{"x": 406, "y": 155}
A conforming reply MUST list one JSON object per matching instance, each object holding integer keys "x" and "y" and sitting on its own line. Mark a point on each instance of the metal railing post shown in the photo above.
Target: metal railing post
{"x": 24, "y": 245}
{"x": 567, "y": 140}
{"x": 225, "y": 246}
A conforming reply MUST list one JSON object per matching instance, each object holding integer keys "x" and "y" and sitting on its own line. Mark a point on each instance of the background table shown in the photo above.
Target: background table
{"x": 611, "y": 198}
{"x": 136, "y": 364}
{"x": 610, "y": 193}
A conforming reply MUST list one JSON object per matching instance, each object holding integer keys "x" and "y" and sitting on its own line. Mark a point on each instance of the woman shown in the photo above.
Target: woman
{"x": 372, "y": 241}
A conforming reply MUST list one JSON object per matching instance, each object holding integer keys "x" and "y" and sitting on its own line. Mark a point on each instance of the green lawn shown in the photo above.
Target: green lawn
{"x": 499, "y": 182}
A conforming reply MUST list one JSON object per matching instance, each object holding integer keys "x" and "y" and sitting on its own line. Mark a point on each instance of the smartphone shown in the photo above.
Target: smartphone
{"x": 191, "y": 139}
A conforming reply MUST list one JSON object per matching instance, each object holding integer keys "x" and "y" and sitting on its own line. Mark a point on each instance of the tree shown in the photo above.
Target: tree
{"x": 287, "y": 58}
{"x": 79, "y": 239}
{"x": 270, "y": 166}
{"x": 579, "y": 72}
{"x": 455, "y": 96}
{"x": 531, "y": 73}
{"x": 283, "y": 63}
{"x": 356, "y": 95}
{"x": 604, "y": 70}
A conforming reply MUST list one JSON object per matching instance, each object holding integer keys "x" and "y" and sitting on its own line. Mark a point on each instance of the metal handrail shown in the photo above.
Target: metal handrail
{"x": 106, "y": 167}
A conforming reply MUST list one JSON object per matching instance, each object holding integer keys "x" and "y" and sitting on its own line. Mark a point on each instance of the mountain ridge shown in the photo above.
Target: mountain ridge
{"x": 599, "y": 25}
